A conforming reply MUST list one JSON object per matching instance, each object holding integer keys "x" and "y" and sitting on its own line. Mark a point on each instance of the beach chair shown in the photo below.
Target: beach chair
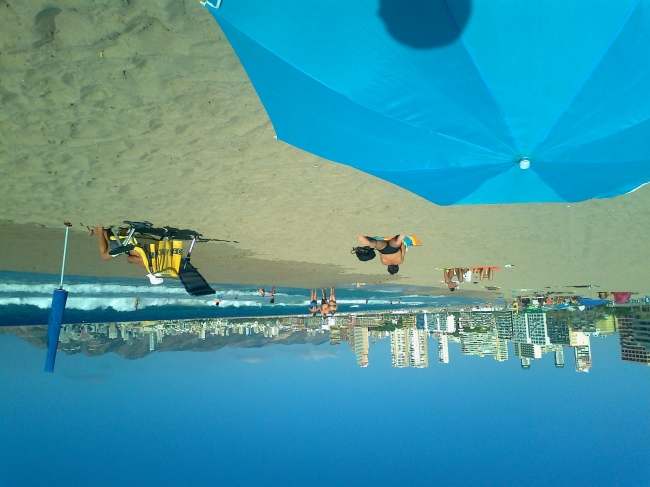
{"x": 162, "y": 254}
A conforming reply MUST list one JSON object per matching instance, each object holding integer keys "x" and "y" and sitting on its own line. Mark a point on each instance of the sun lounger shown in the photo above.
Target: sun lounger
{"x": 164, "y": 256}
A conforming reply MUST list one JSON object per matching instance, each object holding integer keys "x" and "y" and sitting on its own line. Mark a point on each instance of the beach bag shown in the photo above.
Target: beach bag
{"x": 365, "y": 253}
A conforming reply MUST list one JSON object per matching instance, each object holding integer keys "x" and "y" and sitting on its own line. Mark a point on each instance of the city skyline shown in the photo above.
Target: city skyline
{"x": 477, "y": 333}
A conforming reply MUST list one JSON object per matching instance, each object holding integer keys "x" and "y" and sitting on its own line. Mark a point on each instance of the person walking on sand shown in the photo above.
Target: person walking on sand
{"x": 313, "y": 303}
{"x": 391, "y": 252}
{"x": 102, "y": 239}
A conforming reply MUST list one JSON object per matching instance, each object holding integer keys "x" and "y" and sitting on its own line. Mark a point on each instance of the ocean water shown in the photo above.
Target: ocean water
{"x": 25, "y": 299}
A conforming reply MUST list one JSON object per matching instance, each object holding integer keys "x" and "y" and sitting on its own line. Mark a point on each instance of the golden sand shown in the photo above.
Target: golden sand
{"x": 141, "y": 111}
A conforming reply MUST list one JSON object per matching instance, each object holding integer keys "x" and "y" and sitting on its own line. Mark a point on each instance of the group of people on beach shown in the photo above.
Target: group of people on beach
{"x": 454, "y": 277}
{"x": 327, "y": 307}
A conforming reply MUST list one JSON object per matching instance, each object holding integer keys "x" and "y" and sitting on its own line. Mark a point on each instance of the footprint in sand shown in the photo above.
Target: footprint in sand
{"x": 45, "y": 26}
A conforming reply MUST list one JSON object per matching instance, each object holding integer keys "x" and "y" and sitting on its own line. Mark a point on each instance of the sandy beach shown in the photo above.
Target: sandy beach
{"x": 142, "y": 111}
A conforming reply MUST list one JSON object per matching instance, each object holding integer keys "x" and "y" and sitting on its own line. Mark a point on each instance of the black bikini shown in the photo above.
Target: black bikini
{"x": 389, "y": 249}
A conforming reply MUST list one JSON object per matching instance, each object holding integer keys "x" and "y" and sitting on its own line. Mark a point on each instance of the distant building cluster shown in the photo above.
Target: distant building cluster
{"x": 482, "y": 333}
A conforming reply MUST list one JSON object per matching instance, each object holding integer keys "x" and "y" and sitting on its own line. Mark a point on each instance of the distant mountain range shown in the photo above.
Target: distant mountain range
{"x": 138, "y": 348}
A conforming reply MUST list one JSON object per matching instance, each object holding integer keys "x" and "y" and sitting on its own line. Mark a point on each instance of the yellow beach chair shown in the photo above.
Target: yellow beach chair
{"x": 164, "y": 256}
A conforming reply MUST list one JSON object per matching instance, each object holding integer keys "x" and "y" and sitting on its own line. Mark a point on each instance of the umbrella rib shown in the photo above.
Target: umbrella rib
{"x": 557, "y": 149}
{"x": 586, "y": 78}
{"x": 426, "y": 81}
{"x": 494, "y": 100}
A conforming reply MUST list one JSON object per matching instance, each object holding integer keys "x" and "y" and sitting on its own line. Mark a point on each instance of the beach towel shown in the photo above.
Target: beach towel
{"x": 622, "y": 298}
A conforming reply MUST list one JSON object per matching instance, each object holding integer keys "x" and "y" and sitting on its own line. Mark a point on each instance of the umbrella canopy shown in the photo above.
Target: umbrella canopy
{"x": 490, "y": 101}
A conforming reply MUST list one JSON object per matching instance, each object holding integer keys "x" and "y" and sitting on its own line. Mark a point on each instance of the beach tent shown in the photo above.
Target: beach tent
{"x": 458, "y": 101}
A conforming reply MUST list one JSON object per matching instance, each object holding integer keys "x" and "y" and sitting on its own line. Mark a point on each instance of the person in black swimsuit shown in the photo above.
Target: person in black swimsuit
{"x": 391, "y": 252}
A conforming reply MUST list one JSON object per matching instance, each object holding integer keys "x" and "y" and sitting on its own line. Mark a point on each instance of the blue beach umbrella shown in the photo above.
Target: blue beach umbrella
{"x": 59, "y": 298}
{"x": 458, "y": 101}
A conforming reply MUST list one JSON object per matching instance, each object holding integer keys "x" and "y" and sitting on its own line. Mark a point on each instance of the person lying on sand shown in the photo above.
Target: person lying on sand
{"x": 391, "y": 252}
{"x": 102, "y": 239}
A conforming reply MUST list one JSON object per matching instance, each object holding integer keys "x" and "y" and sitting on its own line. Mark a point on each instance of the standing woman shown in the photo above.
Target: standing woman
{"x": 313, "y": 304}
{"x": 324, "y": 306}
{"x": 332, "y": 302}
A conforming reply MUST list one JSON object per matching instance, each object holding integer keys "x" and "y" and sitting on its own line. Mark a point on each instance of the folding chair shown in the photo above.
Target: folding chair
{"x": 164, "y": 256}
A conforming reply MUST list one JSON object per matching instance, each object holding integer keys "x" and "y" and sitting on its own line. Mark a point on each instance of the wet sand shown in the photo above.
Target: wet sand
{"x": 141, "y": 111}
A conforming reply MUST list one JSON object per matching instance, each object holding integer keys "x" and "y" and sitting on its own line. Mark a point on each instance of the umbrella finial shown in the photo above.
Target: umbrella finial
{"x": 524, "y": 163}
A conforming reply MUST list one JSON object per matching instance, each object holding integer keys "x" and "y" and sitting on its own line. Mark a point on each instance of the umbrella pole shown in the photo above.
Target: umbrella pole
{"x": 59, "y": 298}
{"x": 65, "y": 251}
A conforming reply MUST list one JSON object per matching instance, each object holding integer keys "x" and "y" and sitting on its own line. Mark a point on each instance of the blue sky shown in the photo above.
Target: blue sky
{"x": 305, "y": 415}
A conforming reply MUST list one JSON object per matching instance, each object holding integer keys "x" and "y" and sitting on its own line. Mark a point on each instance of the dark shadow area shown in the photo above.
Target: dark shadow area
{"x": 425, "y": 24}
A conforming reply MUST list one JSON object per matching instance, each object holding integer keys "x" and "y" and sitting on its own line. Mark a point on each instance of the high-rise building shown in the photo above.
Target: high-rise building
{"x": 443, "y": 348}
{"x": 484, "y": 319}
{"x": 558, "y": 332}
{"x": 408, "y": 348}
{"x": 634, "y": 336}
{"x": 112, "y": 331}
{"x": 504, "y": 324}
{"x": 361, "y": 345}
{"x": 399, "y": 348}
{"x": 420, "y": 320}
{"x": 450, "y": 324}
{"x": 520, "y": 328}
{"x": 537, "y": 328}
{"x": 479, "y": 343}
{"x": 464, "y": 319}
{"x": 501, "y": 354}
{"x": 417, "y": 346}
{"x": 152, "y": 341}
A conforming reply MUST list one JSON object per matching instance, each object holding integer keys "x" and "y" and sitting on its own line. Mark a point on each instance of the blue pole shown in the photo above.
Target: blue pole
{"x": 59, "y": 298}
